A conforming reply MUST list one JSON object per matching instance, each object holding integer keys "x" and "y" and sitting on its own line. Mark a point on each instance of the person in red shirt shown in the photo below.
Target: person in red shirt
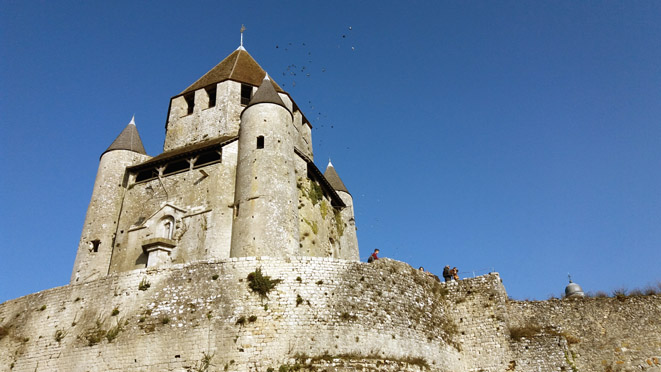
{"x": 373, "y": 256}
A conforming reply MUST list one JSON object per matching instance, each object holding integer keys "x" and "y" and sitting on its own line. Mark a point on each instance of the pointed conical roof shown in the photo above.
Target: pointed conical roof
{"x": 129, "y": 139}
{"x": 266, "y": 94}
{"x": 334, "y": 179}
{"x": 238, "y": 66}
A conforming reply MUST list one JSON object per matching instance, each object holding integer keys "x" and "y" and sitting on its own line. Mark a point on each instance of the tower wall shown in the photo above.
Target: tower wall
{"x": 96, "y": 240}
{"x": 349, "y": 238}
{"x": 204, "y": 123}
{"x": 265, "y": 211}
{"x": 202, "y": 230}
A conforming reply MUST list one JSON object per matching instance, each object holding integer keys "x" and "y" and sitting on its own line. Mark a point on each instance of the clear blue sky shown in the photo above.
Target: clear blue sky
{"x": 514, "y": 135}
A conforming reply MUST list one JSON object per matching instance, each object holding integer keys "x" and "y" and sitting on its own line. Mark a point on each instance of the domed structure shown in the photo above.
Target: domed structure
{"x": 573, "y": 290}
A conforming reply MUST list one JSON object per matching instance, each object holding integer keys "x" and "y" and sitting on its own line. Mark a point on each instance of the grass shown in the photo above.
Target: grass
{"x": 144, "y": 284}
{"x": 260, "y": 283}
{"x": 165, "y": 320}
{"x": 299, "y": 299}
{"x": 526, "y": 331}
{"x": 113, "y": 332}
{"x": 42, "y": 308}
{"x": 252, "y": 318}
{"x": 115, "y": 311}
{"x": 96, "y": 334}
{"x": 59, "y": 335}
{"x": 214, "y": 277}
{"x": 347, "y": 317}
{"x": 241, "y": 320}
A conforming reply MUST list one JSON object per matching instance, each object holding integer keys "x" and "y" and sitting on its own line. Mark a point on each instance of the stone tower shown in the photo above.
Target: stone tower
{"x": 265, "y": 204}
{"x": 96, "y": 241}
{"x": 236, "y": 179}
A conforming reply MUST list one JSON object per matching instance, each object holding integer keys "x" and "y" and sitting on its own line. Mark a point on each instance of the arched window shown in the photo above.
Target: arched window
{"x": 166, "y": 227}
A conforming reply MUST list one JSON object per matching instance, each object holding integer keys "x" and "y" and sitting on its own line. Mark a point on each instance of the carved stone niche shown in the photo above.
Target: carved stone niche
{"x": 156, "y": 234}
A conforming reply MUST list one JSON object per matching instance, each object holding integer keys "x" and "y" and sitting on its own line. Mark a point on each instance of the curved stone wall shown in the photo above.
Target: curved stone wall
{"x": 324, "y": 312}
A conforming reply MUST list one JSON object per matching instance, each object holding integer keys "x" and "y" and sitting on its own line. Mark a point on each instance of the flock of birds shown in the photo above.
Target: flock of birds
{"x": 296, "y": 72}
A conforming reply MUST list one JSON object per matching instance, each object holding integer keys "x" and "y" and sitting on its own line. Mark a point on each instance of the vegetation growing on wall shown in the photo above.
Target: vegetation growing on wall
{"x": 260, "y": 283}
{"x": 338, "y": 222}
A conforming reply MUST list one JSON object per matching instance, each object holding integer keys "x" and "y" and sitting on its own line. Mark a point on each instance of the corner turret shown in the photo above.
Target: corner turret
{"x": 128, "y": 139}
{"x": 97, "y": 239}
{"x": 349, "y": 239}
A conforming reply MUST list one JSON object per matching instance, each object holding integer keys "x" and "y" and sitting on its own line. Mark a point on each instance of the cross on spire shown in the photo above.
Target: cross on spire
{"x": 243, "y": 28}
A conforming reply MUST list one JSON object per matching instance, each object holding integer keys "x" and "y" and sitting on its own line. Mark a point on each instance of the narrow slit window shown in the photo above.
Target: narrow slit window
{"x": 211, "y": 92}
{"x": 246, "y": 93}
{"x": 260, "y": 142}
{"x": 190, "y": 101}
{"x": 95, "y": 245}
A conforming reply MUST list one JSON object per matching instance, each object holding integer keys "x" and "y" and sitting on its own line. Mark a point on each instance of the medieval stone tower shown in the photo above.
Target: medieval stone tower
{"x": 236, "y": 179}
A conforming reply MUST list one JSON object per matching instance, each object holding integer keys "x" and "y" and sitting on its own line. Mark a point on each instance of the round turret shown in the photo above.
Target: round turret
{"x": 265, "y": 208}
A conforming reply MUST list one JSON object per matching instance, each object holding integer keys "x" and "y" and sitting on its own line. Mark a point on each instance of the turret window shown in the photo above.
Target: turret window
{"x": 190, "y": 101}
{"x": 246, "y": 93}
{"x": 211, "y": 92}
{"x": 260, "y": 142}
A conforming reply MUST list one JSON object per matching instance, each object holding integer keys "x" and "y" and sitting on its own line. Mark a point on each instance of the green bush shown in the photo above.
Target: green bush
{"x": 260, "y": 283}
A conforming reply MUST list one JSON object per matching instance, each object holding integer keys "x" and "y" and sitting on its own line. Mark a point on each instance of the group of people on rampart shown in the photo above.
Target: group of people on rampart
{"x": 448, "y": 273}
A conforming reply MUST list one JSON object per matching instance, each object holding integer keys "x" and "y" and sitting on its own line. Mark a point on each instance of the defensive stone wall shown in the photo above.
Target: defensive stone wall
{"x": 336, "y": 314}
{"x": 591, "y": 334}
{"x": 323, "y": 314}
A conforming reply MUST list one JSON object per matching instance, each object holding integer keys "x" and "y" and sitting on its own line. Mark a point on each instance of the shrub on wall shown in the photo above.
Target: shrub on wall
{"x": 260, "y": 283}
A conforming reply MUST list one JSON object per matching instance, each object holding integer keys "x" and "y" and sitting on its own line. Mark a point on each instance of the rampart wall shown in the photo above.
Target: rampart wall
{"x": 325, "y": 314}
{"x": 592, "y": 334}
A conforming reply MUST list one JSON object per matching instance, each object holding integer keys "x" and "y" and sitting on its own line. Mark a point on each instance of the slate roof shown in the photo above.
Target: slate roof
{"x": 266, "y": 94}
{"x": 238, "y": 66}
{"x": 334, "y": 179}
{"x": 129, "y": 139}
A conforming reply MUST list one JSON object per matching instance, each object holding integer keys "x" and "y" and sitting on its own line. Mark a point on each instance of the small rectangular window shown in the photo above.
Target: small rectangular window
{"x": 260, "y": 142}
{"x": 246, "y": 94}
{"x": 190, "y": 101}
{"x": 211, "y": 92}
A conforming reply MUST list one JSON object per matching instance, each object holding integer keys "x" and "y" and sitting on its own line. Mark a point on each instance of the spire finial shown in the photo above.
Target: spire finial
{"x": 329, "y": 163}
{"x": 568, "y": 275}
{"x": 132, "y": 120}
{"x": 266, "y": 76}
{"x": 243, "y": 28}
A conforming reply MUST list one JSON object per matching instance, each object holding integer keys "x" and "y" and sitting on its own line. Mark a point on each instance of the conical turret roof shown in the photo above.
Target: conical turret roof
{"x": 238, "y": 66}
{"x": 266, "y": 94}
{"x": 334, "y": 179}
{"x": 129, "y": 139}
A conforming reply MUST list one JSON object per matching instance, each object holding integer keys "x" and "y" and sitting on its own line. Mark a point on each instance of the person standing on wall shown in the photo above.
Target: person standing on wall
{"x": 446, "y": 273}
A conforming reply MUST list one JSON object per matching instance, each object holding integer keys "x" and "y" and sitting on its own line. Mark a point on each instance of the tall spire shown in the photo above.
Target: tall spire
{"x": 129, "y": 139}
